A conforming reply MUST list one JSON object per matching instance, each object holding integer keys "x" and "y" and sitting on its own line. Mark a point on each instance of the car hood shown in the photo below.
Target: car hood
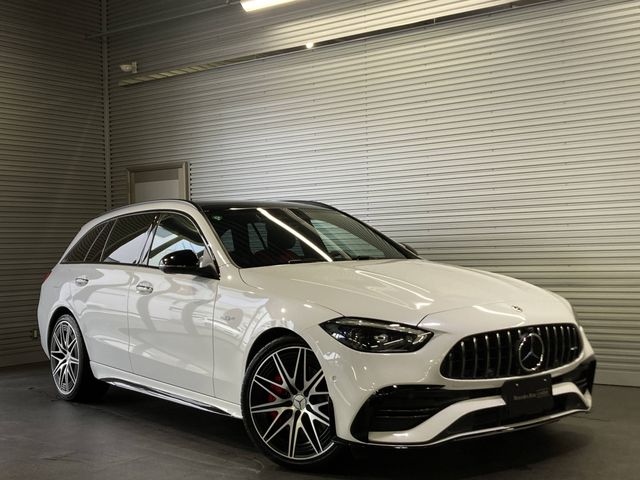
{"x": 403, "y": 291}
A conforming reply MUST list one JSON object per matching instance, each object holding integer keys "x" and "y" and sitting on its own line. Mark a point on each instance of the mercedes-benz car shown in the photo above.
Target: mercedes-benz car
{"x": 314, "y": 328}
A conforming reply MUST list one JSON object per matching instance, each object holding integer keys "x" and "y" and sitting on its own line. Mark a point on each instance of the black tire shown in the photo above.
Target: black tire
{"x": 73, "y": 381}
{"x": 297, "y": 400}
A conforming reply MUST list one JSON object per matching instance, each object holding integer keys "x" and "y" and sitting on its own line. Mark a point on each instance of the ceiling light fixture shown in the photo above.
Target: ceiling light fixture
{"x": 252, "y": 5}
{"x": 309, "y": 44}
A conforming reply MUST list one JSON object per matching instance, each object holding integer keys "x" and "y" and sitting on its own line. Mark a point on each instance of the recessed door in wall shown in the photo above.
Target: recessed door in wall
{"x": 154, "y": 182}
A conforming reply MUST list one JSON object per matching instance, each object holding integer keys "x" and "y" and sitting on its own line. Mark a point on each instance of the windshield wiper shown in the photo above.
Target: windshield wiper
{"x": 305, "y": 260}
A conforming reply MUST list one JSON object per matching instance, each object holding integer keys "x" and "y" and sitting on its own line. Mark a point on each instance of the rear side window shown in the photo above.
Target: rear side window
{"x": 127, "y": 239}
{"x": 79, "y": 251}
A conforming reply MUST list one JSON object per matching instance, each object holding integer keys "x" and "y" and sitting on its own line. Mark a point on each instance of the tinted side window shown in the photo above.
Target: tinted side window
{"x": 82, "y": 246}
{"x": 174, "y": 233}
{"x": 95, "y": 252}
{"x": 127, "y": 239}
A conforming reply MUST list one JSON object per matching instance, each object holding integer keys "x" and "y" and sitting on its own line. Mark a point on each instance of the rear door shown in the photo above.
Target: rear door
{"x": 171, "y": 315}
{"x": 101, "y": 287}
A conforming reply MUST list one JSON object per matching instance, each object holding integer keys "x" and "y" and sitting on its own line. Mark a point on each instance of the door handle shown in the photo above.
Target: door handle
{"x": 82, "y": 281}
{"x": 144, "y": 288}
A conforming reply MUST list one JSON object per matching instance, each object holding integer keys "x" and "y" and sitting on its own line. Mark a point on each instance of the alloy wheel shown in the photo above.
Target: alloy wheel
{"x": 289, "y": 404}
{"x": 65, "y": 362}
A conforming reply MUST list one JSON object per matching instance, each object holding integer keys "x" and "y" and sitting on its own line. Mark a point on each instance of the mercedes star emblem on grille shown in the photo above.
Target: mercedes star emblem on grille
{"x": 531, "y": 352}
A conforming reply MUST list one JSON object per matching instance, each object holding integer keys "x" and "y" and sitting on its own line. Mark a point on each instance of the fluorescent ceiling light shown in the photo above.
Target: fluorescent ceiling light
{"x": 252, "y": 5}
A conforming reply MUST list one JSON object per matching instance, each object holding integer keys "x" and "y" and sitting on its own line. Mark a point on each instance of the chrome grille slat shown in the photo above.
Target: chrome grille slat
{"x": 467, "y": 360}
{"x": 499, "y": 354}
{"x": 475, "y": 358}
{"x": 488, "y": 348}
{"x": 555, "y": 346}
{"x": 539, "y": 332}
{"x": 547, "y": 337}
{"x": 510, "y": 347}
{"x": 515, "y": 353}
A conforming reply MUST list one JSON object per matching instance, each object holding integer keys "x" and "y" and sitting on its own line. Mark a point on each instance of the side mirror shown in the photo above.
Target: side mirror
{"x": 186, "y": 262}
{"x": 410, "y": 248}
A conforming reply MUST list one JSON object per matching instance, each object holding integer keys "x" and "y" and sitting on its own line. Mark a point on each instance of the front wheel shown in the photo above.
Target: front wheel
{"x": 286, "y": 406}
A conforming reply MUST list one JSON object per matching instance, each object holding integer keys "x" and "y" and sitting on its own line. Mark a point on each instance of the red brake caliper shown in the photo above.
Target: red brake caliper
{"x": 278, "y": 391}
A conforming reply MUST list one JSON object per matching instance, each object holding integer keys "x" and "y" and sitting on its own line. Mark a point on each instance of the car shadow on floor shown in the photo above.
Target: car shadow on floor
{"x": 207, "y": 434}
{"x": 510, "y": 452}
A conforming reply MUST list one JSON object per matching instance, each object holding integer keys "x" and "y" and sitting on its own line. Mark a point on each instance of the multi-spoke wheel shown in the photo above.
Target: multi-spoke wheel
{"x": 286, "y": 405}
{"x": 65, "y": 361}
{"x": 70, "y": 363}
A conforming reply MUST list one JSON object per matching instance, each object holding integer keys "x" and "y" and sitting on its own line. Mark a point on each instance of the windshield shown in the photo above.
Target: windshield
{"x": 258, "y": 237}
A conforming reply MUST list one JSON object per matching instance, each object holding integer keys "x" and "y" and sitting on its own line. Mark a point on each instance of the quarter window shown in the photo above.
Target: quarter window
{"x": 79, "y": 251}
{"x": 174, "y": 233}
{"x": 95, "y": 252}
{"x": 127, "y": 239}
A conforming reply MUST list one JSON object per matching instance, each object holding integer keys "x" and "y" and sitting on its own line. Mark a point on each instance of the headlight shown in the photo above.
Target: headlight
{"x": 375, "y": 336}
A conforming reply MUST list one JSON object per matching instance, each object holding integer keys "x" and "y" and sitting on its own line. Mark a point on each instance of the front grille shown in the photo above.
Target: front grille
{"x": 495, "y": 354}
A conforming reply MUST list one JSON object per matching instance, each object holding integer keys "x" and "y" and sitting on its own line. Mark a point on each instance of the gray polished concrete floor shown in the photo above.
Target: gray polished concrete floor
{"x": 129, "y": 435}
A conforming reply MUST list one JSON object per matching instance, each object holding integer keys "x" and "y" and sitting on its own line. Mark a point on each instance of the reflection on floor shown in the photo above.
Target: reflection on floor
{"x": 133, "y": 436}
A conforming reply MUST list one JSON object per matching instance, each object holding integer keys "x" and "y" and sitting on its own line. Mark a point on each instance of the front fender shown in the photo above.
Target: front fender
{"x": 241, "y": 316}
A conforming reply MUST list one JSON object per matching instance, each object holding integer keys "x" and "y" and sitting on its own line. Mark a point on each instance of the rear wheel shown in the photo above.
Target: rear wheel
{"x": 286, "y": 406}
{"x": 70, "y": 367}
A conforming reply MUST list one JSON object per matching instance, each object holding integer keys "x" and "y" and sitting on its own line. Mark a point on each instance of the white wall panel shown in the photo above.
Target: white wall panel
{"x": 507, "y": 142}
{"x": 51, "y": 152}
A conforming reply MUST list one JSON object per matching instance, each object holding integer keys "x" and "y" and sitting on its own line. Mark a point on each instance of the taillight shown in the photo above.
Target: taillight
{"x": 46, "y": 275}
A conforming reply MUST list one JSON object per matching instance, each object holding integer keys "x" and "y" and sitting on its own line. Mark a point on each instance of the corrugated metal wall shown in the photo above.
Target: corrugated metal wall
{"x": 51, "y": 152}
{"x": 507, "y": 142}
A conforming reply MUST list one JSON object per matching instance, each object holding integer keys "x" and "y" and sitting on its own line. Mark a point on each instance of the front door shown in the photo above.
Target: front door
{"x": 171, "y": 315}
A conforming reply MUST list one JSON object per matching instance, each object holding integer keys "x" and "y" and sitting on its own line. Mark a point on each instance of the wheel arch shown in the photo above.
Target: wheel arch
{"x": 57, "y": 313}
{"x": 266, "y": 337}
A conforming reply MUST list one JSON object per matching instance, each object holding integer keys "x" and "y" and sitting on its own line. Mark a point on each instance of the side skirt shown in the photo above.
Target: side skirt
{"x": 163, "y": 391}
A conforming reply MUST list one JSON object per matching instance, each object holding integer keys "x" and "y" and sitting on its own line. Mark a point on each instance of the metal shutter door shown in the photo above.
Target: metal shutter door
{"x": 507, "y": 142}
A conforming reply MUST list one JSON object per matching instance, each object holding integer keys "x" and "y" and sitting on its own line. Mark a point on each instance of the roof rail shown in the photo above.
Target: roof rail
{"x": 311, "y": 202}
{"x": 122, "y": 207}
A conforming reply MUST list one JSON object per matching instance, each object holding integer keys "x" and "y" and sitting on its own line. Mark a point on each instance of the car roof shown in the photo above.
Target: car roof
{"x": 203, "y": 205}
{"x": 178, "y": 204}
{"x": 223, "y": 204}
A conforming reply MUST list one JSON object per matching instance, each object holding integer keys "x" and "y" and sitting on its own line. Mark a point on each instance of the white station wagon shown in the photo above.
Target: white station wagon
{"x": 314, "y": 328}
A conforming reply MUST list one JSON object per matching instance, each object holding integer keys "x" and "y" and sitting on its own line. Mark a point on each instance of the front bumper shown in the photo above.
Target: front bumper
{"x": 403, "y": 400}
{"x": 407, "y": 414}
